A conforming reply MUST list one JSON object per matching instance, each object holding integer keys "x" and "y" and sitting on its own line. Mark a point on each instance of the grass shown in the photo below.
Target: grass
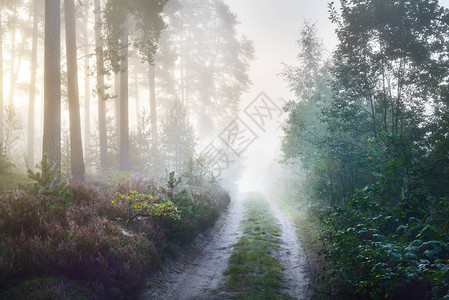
{"x": 253, "y": 272}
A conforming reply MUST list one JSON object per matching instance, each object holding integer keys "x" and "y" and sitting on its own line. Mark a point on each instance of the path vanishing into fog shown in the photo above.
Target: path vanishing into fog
{"x": 198, "y": 273}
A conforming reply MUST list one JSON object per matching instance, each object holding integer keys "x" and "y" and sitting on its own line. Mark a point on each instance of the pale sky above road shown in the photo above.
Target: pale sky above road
{"x": 274, "y": 26}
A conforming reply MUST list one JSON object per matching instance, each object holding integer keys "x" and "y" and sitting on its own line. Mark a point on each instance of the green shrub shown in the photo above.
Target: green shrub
{"x": 379, "y": 252}
{"x": 146, "y": 205}
{"x": 49, "y": 182}
{"x": 5, "y": 165}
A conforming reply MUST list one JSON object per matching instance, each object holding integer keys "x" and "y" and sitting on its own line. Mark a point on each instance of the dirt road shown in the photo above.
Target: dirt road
{"x": 293, "y": 258}
{"x": 201, "y": 269}
{"x": 197, "y": 273}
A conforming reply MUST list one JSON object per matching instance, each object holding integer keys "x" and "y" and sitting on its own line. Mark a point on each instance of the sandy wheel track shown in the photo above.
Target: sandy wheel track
{"x": 293, "y": 258}
{"x": 194, "y": 274}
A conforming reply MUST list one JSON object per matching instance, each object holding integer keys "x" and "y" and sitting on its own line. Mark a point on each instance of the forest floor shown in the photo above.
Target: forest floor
{"x": 198, "y": 272}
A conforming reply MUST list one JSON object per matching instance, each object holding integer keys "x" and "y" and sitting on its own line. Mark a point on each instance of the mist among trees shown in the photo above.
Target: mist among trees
{"x": 122, "y": 68}
{"x": 110, "y": 111}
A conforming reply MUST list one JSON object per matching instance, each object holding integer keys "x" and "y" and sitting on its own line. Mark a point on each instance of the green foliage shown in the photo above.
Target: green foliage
{"x": 195, "y": 217}
{"x": 11, "y": 180}
{"x": 115, "y": 14}
{"x": 146, "y": 205}
{"x": 148, "y": 25}
{"x": 384, "y": 252}
{"x": 172, "y": 181}
{"x": 116, "y": 177}
{"x": 11, "y": 132}
{"x": 5, "y": 164}
{"x": 196, "y": 170}
{"x": 369, "y": 134}
{"x": 48, "y": 182}
{"x": 199, "y": 208}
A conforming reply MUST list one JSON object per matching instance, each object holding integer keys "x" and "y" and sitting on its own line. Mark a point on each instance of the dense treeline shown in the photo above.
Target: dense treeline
{"x": 369, "y": 132}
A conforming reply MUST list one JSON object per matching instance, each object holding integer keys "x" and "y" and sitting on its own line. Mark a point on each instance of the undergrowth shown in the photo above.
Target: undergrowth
{"x": 56, "y": 236}
{"x": 376, "y": 248}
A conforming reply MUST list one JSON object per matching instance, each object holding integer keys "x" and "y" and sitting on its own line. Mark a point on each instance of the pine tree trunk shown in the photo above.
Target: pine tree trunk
{"x": 17, "y": 70}
{"x": 52, "y": 83}
{"x": 124, "y": 126}
{"x": 12, "y": 66}
{"x": 153, "y": 111}
{"x": 117, "y": 104}
{"x": 104, "y": 162}
{"x": 30, "y": 141}
{"x": 86, "y": 84}
{"x": 136, "y": 91}
{"x": 76, "y": 145}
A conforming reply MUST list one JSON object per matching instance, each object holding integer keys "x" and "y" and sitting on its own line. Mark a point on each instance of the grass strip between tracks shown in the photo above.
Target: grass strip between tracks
{"x": 254, "y": 272}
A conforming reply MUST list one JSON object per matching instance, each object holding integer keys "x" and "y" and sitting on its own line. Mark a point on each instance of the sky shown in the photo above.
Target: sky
{"x": 274, "y": 26}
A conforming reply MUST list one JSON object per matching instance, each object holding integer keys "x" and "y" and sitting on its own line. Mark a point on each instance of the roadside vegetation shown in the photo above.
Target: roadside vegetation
{"x": 254, "y": 272}
{"x": 62, "y": 240}
{"x": 366, "y": 149}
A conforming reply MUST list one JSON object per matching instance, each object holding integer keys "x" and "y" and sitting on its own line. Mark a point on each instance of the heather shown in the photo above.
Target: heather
{"x": 74, "y": 237}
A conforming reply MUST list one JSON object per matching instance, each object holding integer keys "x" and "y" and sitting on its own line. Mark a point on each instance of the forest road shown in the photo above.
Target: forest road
{"x": 201, "y": 268}
{"x": 196, "y": 273}
{"x": 293, "y": 258}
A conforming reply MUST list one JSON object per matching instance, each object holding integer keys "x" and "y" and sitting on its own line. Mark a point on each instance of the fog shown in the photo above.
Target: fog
{"x": 286, "y": 149}
{"x": 274, "y": 28}
{"x": 268, "y": 32}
